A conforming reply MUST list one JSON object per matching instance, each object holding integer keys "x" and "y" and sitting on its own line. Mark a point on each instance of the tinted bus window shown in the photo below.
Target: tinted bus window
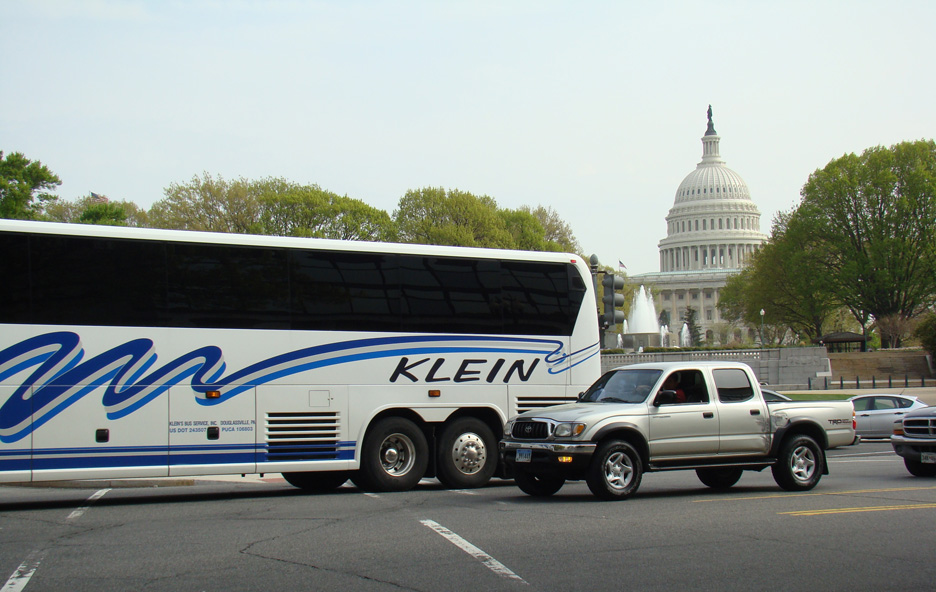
{"x": 345, "y": 291}
{"x": 87, "y": 281}
{"x": 451, "y": 295}
{"x": 227, "y": 287}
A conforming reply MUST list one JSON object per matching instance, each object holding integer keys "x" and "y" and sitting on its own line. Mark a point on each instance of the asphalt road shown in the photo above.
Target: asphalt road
{"x": 869, "y": 525}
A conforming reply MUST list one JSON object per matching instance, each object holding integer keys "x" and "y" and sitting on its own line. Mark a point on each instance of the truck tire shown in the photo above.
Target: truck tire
{"x": 394, "y": 456}
{"x": 467, "y": 455}
{"x": 537, "y": 485}
{"x": 615, "y": 471}
{"x": 318, "y": 481}
{"x": 918, "y": 469}
{"x": 721, "y": 478}
{"x": 799, "y": 464}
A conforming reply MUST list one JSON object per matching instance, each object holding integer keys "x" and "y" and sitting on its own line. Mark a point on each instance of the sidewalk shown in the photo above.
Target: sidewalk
{"x": 146, "y": 482}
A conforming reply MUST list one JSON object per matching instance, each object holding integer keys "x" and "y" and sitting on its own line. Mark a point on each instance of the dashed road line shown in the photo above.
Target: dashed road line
{"x": 492, "y": 564}
{"x": 27, "y": 568}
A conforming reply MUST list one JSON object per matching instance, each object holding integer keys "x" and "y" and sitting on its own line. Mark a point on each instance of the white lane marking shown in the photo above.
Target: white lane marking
{"x": 373, "y": 495}
{"x": 492, "y": 564}
{"x": 889, "y": 453}
{"x": 75, "y": 515}
{"x": 25, "y": 571}
{"x": 21, "y": 576}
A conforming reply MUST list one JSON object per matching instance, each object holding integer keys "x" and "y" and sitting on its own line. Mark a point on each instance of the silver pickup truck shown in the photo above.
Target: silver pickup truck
{"x": 707, "y": 416}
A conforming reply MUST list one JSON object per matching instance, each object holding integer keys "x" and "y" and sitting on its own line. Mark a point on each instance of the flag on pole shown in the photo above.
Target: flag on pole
{"x": 621, "y": 265}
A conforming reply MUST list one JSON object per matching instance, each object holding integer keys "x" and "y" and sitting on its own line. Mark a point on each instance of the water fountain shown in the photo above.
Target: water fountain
{"x": 642, "y": 330}
{"x": 685, "y": 339}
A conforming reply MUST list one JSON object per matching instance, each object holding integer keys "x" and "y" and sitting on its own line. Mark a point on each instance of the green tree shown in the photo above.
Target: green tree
{"x": 691, "y": 318}
{"x": 872, "y": 219}
{"x": 786, "y": 278}
{"x": 94, "y": 209}
{"x": 434, "y": 216}
{"x": 24, "y": 187}
{"x": 213, "y": 204}
{"x": 926, "y": 332}
{"x": 556, "y": 230}
{"x": 314, "y": 212}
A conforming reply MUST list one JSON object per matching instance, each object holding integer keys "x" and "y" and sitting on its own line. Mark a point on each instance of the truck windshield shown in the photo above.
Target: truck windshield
{"x": 622, "y": 386}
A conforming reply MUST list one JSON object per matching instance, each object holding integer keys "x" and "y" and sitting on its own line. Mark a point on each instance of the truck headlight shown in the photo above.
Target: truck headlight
{"x": 508, "y": 428}
{"x": 566, "y": 430}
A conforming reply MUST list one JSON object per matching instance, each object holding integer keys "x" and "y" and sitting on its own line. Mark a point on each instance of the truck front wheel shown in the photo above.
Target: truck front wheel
{"x": 799, "y": 464}
{"x": 615, "y": 471}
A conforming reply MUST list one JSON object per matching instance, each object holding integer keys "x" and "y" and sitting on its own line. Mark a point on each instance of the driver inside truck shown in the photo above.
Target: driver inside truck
{"x": 672, "y": 384}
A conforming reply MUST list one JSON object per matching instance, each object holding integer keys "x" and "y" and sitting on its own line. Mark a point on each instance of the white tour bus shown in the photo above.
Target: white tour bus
{"x": 130, "y": 352}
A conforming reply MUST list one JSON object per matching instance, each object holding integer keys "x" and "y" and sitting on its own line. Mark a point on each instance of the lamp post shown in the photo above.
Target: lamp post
{"x": 762, "y": 313}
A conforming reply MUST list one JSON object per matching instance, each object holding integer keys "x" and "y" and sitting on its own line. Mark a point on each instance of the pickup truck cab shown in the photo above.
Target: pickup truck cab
{"x": 710, "y": 417}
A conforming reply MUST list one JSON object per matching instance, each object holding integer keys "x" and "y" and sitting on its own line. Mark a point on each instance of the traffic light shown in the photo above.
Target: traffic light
{"x": 612, "y": 299}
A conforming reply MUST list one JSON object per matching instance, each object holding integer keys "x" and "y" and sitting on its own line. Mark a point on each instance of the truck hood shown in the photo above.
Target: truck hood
{"x": 922, "y": 412}
{"x": 585, "y": 412}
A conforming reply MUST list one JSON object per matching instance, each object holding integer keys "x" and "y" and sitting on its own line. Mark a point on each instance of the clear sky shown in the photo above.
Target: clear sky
{"x": 595, "y": 109}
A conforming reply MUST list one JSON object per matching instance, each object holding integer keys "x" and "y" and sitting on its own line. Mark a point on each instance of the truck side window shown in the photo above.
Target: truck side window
{"x": 733, "y": 385}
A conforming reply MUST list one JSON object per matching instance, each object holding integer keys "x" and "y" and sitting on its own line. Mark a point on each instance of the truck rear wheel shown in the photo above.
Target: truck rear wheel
{"x": 615, "y": 471}
{"x": 722, "y": 478}
{"x": 918, "y": 469}
{"x": 318, "y": 481}
{"x": 537, "y": 485}
{"x": 394, "y": 456}
{"x": 799, "y": 464}
{"x": 467, "y": 454}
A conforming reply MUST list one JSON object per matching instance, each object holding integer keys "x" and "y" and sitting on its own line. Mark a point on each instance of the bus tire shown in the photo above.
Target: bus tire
{"x": 317, "y": 481}
{"x": 394, "y": 456}
{"x": 467, "y": 454}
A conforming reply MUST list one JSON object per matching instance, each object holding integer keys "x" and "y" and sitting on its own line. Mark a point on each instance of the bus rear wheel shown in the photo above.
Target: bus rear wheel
{"x": 317, "y": 481}
{"x": 394, "y": 456}
{"x": 467, "y": 455}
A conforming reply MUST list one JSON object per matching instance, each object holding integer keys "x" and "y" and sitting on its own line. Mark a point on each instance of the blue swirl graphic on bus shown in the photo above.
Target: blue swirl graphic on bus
{"x": 62, "y": 376}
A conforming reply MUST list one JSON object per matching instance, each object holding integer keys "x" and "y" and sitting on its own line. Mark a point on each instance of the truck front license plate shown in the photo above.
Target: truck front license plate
{"x": 527, "y": 455}
{"x": 928, "y": 457}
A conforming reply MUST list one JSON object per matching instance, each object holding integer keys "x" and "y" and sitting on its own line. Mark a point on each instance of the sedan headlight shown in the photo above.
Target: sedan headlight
{"x": 566, "y": 430}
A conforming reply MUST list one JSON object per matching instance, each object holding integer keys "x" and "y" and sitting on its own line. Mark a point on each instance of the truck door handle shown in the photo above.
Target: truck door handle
{"x": 755, "y": 411}
{"x": 708, "y": 414}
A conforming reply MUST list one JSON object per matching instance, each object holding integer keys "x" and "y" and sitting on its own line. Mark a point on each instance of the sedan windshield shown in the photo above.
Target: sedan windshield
{"x": 622, "y": 386}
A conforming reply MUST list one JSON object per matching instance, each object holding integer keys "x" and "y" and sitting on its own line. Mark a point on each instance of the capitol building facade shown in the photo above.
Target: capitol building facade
{"x": 713, "y": 229}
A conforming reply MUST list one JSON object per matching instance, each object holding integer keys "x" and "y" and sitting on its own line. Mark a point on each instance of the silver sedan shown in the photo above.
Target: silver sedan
{"x": 875, "y": 414}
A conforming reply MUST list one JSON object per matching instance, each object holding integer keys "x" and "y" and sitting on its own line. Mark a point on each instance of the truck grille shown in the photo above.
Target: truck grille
{"x": 919, "y": 428}
{"x": 530, "y": 430}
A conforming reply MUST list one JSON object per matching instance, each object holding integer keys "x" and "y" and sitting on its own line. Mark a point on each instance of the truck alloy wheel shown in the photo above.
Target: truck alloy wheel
{"x": 615, "y": 471}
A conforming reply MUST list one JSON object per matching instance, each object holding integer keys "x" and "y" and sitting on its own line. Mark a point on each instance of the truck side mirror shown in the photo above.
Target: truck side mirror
{"x": 664, "y": 398}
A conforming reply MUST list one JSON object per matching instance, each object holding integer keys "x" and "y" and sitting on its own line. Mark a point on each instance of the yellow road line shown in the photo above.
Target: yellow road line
{"x": 803, "y": 494}
{"x": 853, "y": 510}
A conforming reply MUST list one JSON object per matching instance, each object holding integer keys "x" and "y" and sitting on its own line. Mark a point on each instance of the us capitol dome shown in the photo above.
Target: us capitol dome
{"x": 712, "y": 230}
